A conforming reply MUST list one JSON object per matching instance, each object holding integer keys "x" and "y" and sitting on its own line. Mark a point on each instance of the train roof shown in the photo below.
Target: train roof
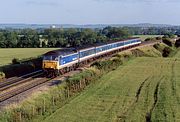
{"x": 63, "y": 51}
{"x": 67, "y": 51}
{"x": 100, "y": 44}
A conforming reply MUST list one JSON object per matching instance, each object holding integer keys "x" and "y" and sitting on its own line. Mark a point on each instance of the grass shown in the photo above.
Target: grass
{"x": 143, "y": 88}
{"x": 177, "y": 54}
{"x": 6, "y": 55}
{"x": 143, "y": 37}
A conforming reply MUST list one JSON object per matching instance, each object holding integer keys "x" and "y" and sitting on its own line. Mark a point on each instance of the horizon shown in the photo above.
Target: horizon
{"x": 85, "y": 24}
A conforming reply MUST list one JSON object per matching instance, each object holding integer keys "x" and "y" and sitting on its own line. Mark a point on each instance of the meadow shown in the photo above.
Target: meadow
{"x": 7, "y": 54}
{"x": 144, "y": 89}
{"x": 143, "y": 37}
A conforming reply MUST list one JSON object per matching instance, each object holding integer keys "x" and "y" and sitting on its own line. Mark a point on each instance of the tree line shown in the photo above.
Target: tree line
{"x": 73, "y": 37}
{"x": 154, "y": 30}
{"x": 29, "y": 38}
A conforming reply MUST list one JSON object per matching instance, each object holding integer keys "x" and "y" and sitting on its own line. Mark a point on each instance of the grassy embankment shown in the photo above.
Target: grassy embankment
{"x": 142, "y": 89}
{"x": 145, "y": 89}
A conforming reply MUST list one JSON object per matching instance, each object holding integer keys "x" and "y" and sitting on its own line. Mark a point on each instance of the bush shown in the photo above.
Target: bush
{"x": 177, "y": 44}
{"x": 2, "y": 75}
{"x": 158, "y": 38}
{"x": 138, "y": 53}
{"x": 147, "y": 39}
{"x": 166, "y": 51}
{"x": 15, "y": 61}
{"x": 167, "y": 41}
{"x": 158, "y": 47}
{"x": 169, "y": 35}
{"x": 150, "y": 39}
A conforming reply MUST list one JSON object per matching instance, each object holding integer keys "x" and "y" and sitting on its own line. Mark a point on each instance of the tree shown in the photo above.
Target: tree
{"x": 2, "y": 40}
{"x": 120, "y": 33}
{"x": 10, "y": 39}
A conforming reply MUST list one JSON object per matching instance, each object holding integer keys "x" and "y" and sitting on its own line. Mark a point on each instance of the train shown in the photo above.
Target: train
{"x": 60, "y": 61}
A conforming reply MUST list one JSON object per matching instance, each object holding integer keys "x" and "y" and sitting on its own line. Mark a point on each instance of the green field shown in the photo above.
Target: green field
{"x": 142, "y": 90}
{"x": 143, "y": 37}
{"x": 6, "y": 55}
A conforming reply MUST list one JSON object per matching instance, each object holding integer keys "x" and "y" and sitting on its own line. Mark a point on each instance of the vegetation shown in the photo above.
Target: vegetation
{"x": 142, "y": 89}
{"x": 29, "y": 38}
{"x": 147, "y": 91}
{"x": 177, "y": 43}
{"x": 73, "y": 37}
{"x": 165, "y": 49}
{"x": 47, "y": 103}
{"x": 2, "y": 76}
{"x": 7, "y": 55}
{"x": 167, "y": 41}
{"x": 170, "y": 31}
{"x": 148, "y": 37}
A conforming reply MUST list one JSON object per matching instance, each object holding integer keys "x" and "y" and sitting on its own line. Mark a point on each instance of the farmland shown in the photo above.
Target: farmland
{"x": 144, "y": 89}
{"x": 6, "y": 55}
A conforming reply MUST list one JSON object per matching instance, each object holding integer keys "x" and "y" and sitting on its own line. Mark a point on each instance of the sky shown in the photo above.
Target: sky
{"x": 90, "y": 11}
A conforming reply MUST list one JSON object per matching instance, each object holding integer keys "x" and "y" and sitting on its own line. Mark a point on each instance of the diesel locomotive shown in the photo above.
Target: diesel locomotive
{"x": 63, "y": 60}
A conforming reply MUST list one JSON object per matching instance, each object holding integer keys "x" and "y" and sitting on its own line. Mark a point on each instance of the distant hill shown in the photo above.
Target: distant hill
{"x": 36, "y": 26}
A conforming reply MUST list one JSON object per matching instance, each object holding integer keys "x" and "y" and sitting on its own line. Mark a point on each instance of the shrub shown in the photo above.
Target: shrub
{"x": 147, "y": 39}
{"x": 2, "y": 75}
{"x": 15, "y": 61}
{"x": 138, "y": 53}
{"x": 166, "y": 51}
{"x": 177, "y": 44}
{"x": 150, "y": 39}
{"x": 167, "y": 41}
{"x": 158, "y": 38}
{"x": 158, "y": 47}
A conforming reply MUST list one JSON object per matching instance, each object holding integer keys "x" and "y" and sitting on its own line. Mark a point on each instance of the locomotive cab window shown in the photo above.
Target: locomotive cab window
{"x": 55, "y": 58}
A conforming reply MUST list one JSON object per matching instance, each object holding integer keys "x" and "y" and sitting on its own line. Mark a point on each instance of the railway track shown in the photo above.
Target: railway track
{"x": 17, "y": 80}
{"x": 10, "y": 87}
{"x": 27, "y": 82}
{"x": 19, "y": 89}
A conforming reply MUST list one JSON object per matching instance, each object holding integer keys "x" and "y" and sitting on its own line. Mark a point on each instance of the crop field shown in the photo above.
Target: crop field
{"x": 144, "y": 89}
{"x": 143, "y": 37}
{"x": 6, "y": 55}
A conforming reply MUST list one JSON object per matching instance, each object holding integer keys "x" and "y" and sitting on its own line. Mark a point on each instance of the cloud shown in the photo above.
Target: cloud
{"x": 42, "y": 2}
